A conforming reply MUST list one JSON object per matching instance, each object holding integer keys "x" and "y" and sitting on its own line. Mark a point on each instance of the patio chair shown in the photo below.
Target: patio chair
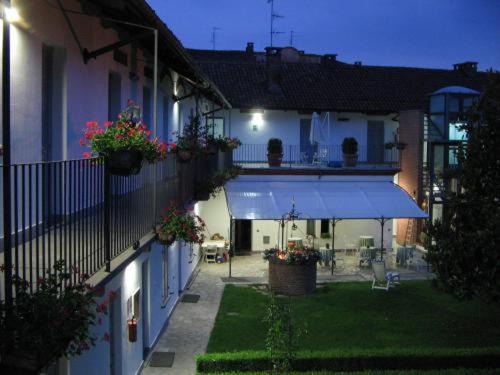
{"x": 365, "y": 256}
{"x": 211, "y": 254}
{"x": 382, "y": 279}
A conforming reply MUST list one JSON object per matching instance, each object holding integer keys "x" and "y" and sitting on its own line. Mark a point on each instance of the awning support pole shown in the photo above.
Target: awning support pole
{"x": 334, "y": 223}
{"x": 282, "y": 233}
{"x": 231, "y": 234}
{"x": 382, "y": 221}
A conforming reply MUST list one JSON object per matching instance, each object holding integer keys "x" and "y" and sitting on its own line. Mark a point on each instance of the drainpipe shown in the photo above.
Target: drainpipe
{"x": 7, "y": 223}
{"x": 155, "y": 114}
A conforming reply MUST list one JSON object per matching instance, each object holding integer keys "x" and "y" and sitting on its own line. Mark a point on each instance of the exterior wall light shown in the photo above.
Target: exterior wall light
{"x": 11, "y": 15}
{"x": 257, "y": 120}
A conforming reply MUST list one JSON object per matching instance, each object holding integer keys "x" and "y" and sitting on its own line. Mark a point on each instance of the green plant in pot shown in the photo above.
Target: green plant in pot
{"x": 189, "y": 142}
{"x": 350, "y": 152}
{"x": 274, "y": 152}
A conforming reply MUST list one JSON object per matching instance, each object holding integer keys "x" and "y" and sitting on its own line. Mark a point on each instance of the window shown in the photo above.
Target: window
{"x": 325, "y": 226}
{"x": 166, "y": 136}
{"x": 311, "y": 228}
{"x": 165, "y": 291}
{"x": 216, "y": 126}
{"x": 146, "y": 105}
{"x": 437, "y": 103}
{"x": 114, "y": 96}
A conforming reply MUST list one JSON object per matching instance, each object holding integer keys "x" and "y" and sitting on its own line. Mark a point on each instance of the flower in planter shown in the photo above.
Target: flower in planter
{"x": 227, "y": 143}
{"x": 128, "y": 132}
{"x": 293, "y": 256}
{"x": 52, "y": 321}
{"x": 182, "y": 225}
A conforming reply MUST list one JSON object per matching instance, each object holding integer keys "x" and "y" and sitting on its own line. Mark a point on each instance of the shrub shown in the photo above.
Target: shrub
{"x": 350, "y": 146}
{"x": 355, "y": 360}
{"x": 275, "y": 146}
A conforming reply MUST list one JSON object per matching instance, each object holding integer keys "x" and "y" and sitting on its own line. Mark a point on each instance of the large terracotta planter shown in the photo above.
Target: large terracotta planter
{"x": 350, "y": 160}
{"x": 292, "y": 279}
{"x": 124, "y": 163}
{"x": 274, "y": 160}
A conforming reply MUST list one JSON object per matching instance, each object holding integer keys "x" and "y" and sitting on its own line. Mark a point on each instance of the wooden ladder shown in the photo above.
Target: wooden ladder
{"x": 410, "y": 230}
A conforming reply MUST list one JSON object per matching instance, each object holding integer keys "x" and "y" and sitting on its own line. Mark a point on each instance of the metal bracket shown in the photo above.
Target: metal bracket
{"x": 87, "y": 55}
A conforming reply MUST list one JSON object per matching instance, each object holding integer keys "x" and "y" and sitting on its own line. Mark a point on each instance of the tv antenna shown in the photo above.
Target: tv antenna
{"x": 273, "y": 17}
{"x": 212, "y": 40}
{"x": 292, "y": 33}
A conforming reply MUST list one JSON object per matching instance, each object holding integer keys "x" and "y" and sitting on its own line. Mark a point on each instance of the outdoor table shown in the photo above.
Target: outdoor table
{"x": 221, "y": 245}
{"x": 366, "y": 241}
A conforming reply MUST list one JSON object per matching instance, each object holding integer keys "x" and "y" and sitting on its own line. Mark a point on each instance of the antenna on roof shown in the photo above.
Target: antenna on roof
{"x": 292, "y": 33}
{"x": 273, "y": 17}
{"x": 212, "y": 40}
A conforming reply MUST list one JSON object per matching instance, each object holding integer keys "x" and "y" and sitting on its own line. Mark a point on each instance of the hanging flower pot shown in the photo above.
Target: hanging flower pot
{"x": 125, "y": 162}
{"x": 184, "y": 156}
{"x": 212, "y": 149}
{"x": 132, "y": 330}
{"x": 166, "y": 239}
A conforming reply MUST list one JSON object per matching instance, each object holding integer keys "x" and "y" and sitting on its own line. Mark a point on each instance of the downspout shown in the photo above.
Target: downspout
{"x": 155, "y": 114}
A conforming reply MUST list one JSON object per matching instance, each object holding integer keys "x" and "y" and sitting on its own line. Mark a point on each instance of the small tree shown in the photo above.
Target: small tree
{"x": 465, "y": 253}
{"x": 281, "y": 339}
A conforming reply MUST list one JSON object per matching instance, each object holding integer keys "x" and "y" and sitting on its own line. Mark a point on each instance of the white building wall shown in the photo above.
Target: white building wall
{"x": 258, "y": 128}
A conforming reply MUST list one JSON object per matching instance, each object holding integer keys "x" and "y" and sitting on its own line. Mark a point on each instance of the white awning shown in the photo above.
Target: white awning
{"x": 270, "y": 200}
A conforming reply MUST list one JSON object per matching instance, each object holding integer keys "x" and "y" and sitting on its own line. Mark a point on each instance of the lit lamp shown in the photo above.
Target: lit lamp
{"x": 11, "y": 15}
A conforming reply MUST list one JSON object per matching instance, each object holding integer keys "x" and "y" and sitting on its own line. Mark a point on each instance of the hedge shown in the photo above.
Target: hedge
{"x": 355, "y": 360}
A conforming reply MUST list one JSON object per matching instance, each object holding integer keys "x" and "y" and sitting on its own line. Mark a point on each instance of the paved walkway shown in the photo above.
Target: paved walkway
{"x": 190, "y": 325}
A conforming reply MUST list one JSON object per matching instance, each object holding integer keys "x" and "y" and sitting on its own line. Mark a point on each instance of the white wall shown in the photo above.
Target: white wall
{"x": 286, "y": 126}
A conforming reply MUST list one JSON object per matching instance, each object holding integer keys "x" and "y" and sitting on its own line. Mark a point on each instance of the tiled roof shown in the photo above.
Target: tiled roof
{"x": 335, "y": 86}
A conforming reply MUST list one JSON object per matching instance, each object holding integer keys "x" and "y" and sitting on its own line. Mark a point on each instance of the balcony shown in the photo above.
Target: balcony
{"x": 327, "y": 158}
{"x": 63, "y": 211}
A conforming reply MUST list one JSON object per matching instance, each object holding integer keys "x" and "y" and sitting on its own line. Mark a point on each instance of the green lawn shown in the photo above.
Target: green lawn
{"x": 351, "y": 315}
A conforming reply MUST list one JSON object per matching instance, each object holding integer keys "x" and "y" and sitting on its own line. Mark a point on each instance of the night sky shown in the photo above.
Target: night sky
{"x": 424, "y": 33}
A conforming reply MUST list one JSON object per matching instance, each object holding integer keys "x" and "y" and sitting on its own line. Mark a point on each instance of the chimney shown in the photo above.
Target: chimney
{"x": 273, "y": 67}
{"x": 249, "y": 49}
{"x": 468, "y": 68}
{"x": 329, "y": 59}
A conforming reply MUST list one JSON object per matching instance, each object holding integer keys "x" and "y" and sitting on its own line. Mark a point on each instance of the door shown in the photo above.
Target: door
{"x": 145, "y": 308}
{"x": 243, "y": 236}
{"x": 115, "y": 334}
{"x": 306, "y": 149}
{"x": 375, "y": 142}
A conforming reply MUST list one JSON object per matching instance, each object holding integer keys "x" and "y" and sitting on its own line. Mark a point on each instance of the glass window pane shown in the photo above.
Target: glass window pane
{"x": 453, "y": 103}
{"x": 456, "y": 133}
{"x": 437, "y": 103}
{"x": 438, "y": 122}
{"x": 468, "y": 102}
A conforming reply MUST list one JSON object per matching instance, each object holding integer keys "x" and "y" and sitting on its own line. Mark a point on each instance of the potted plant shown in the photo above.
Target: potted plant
{"x": 228, "y": 143}
{"x": 274, "y": 152}
{"x": 292, "y": 271}
{"x": 51, "y": 321}
{"x": 178, "y": 224}
{"x": 188, "y": 143}
{"x": 213, "y": 186}
{"x": 389, "y": 145}
{"x": 350, "y": 152}
{"x": 124, "y": 143}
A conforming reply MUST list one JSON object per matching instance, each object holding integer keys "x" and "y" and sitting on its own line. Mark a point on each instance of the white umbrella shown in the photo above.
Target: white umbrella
{"x": 317, "y": 135}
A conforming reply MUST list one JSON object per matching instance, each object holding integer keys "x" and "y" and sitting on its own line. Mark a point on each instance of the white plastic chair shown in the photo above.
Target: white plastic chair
{"x": 211, "y": 254}
{"x": 381, "y": 278}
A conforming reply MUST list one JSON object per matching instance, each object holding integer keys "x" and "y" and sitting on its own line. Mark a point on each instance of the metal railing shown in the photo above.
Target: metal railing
{"x": 60, "y": 211}
{"x": 316, "y": 155}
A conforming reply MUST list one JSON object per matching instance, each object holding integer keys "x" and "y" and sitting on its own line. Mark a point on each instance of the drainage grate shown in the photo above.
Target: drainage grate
{"x": 190, "y": 298}
{"x": 162, "y": 359}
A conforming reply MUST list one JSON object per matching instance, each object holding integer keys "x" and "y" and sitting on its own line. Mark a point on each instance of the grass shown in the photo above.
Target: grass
{"x": 351, "y": 315}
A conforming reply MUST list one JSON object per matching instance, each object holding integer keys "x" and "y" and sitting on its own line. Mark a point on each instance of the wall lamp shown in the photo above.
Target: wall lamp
{"x": 11, "y": 15}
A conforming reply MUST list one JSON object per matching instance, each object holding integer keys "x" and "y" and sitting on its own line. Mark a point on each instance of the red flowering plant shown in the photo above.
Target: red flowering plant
{"x": 128, "y": 132}
{"x": 52, "y": 320}
{"x": 227, "y": 143}
{"x": 179, "y": 224}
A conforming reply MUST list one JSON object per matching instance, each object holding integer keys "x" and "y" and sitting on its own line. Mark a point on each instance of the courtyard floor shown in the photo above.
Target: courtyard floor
{"x": 190, "y": 326}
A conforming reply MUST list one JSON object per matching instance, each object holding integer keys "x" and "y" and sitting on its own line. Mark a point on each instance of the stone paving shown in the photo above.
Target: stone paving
{"x": 190, "y": 325}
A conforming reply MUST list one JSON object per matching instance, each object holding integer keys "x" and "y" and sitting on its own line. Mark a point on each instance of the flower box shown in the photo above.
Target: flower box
{"x": 184, "y": 156}
{"x": 292, "y": 279}
{"x": 125, "y": 163}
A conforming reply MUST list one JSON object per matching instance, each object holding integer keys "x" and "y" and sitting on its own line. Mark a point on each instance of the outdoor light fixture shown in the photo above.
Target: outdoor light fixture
{"x": 258, "y": 119}
{"x": 11, "y": 15}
